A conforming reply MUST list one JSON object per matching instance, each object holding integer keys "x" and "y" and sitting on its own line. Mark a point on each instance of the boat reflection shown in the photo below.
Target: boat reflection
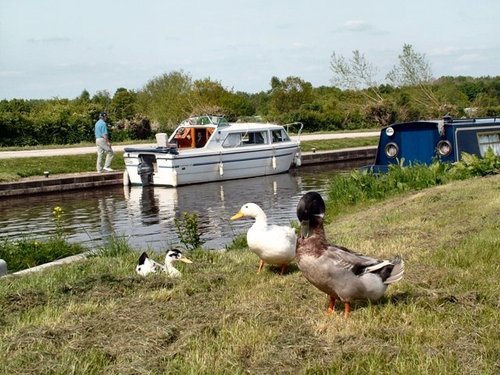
{"x": 214, "y": 203}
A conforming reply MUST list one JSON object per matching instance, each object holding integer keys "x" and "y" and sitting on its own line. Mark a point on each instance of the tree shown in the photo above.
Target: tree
{"x": 123, "y": 104}
{"x": 102, "y": 99}
{"x": 167, "y": 99}
{"x": 84, "y": 96}
{"x": 413, "y": 69}
{"x": 290, "y": 94}
{"x": 355, "y": 74}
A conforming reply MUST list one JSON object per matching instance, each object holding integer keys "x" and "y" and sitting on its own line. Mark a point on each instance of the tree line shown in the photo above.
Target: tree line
{"x": 355, "y": 100}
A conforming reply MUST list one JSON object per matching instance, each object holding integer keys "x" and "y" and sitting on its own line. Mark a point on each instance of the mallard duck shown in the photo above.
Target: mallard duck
{"x": 335, "y": 270}
{"x": 146, "y": 265}
{"x": 273, "y": 244}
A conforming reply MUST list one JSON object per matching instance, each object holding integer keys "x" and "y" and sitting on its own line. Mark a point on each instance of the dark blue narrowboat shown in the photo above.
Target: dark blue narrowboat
{"x": 423, "y": 142}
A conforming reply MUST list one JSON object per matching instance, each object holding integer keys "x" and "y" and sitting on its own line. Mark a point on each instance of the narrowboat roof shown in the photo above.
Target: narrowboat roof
{"x": 447, "y": 120}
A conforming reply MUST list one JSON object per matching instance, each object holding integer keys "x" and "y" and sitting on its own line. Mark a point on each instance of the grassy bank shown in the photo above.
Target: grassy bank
{"x": 97, "y": 316}
{"x": 15, "y": 169}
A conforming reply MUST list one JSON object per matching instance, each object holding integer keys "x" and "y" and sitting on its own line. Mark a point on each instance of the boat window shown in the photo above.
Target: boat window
{"x": 255, "y": 138}
{"x": 279, "y": 135}
{"x": 489, "y": 140}
{"x": 246, "y": 139}
{"x": 232, "y": 140}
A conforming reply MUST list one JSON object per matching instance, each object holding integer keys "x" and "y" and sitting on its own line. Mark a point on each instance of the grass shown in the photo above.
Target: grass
{"x": 97, "y": 316}
{"x": 26, "y": 253}
{"x": 15, "y": 169}
{"x": 337, "y": 144}
{"x": 18, "y": 168}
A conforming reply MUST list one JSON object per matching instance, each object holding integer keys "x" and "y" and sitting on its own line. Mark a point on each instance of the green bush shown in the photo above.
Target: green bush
{"x": 187, "y": 230}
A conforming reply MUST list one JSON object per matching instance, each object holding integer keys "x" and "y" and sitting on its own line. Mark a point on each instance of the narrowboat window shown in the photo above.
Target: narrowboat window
{"x": 444, "y": 148}
{"x": 391, "y": 150}
{"x": 489, "y": 140}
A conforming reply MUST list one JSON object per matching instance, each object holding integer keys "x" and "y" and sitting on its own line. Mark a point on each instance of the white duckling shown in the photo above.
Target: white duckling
{"x": 273, "y": 244}
{"x": 335, "y": 270}
{"x": 147, "y": 265}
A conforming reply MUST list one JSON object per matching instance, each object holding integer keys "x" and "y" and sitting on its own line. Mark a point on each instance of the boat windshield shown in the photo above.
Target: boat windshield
{"x": 208, "y": 120}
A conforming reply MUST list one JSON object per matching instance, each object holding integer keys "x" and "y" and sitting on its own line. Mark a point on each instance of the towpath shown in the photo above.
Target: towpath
{"x": 118, "y": 148}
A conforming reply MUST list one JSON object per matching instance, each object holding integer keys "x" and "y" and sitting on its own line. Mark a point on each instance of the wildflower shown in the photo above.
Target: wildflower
{"x": 57, "y": 212}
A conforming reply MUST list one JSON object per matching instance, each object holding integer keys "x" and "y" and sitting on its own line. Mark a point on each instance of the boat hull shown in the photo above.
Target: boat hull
{"x": 199, "y": 166}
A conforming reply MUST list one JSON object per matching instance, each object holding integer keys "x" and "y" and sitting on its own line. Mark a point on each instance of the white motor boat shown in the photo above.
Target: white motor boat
{"x": 209, "y": 148}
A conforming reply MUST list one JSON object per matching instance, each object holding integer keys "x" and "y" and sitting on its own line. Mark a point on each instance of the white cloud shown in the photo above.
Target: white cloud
{"x": 357, "y": 25}
{"x": 49, "y": 40}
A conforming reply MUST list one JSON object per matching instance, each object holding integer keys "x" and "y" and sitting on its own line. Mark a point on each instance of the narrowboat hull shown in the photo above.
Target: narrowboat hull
{"x": 423, "y": 142}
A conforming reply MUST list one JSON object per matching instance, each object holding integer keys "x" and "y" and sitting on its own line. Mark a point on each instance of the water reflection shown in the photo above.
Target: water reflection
{"x": 214, "y": 203}
{"x": 106, "y": 216}
{"x": 145, "y": 216}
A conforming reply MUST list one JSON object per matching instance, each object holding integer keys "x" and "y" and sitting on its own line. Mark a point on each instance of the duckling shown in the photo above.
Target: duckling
{"x": 147, "y": 265}
{"x": 335, "y": 270}
{"x": 273, "y": 244}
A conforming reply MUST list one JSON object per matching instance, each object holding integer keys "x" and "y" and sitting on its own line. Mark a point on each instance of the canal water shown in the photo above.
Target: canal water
{"x": 145, "y": 216}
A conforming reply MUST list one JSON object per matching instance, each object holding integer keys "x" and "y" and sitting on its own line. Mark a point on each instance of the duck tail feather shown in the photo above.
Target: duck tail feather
{"x": 378, "y": 266}
{"x": 142, "y": 258}
{"x": 397, "y": 271}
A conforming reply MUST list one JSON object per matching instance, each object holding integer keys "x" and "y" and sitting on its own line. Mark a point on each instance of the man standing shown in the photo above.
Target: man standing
{"x": 103, "y": 144}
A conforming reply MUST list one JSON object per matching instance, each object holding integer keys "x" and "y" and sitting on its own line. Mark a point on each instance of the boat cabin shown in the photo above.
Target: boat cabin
{"x": 196, "y": 131}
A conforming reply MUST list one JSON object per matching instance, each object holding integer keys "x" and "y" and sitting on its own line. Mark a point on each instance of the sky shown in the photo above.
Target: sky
{"x": 58, "y": 48}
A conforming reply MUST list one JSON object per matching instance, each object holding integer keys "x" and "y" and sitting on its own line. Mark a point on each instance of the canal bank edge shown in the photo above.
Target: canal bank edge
{"x": 60, "y": 183}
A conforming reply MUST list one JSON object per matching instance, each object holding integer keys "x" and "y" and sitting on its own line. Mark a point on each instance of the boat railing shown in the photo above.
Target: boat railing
{"x": 287, "y": 127}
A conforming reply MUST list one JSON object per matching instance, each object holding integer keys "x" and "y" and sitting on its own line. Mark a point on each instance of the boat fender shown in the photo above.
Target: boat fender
{"x": 221, "y": 169}
{"x": 274, "y": 162}
{"x": 126, "y": 180}
{"x": 174, "y": 178}
{"x": 297, "y": 160}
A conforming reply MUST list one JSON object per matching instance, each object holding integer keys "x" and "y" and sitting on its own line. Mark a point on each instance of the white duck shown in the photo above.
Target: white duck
{"x": 147, "y": 265}
{"x": 173, "y": 256}
{"x": 273, "y": 244}
{"x": 335, "y": 270}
